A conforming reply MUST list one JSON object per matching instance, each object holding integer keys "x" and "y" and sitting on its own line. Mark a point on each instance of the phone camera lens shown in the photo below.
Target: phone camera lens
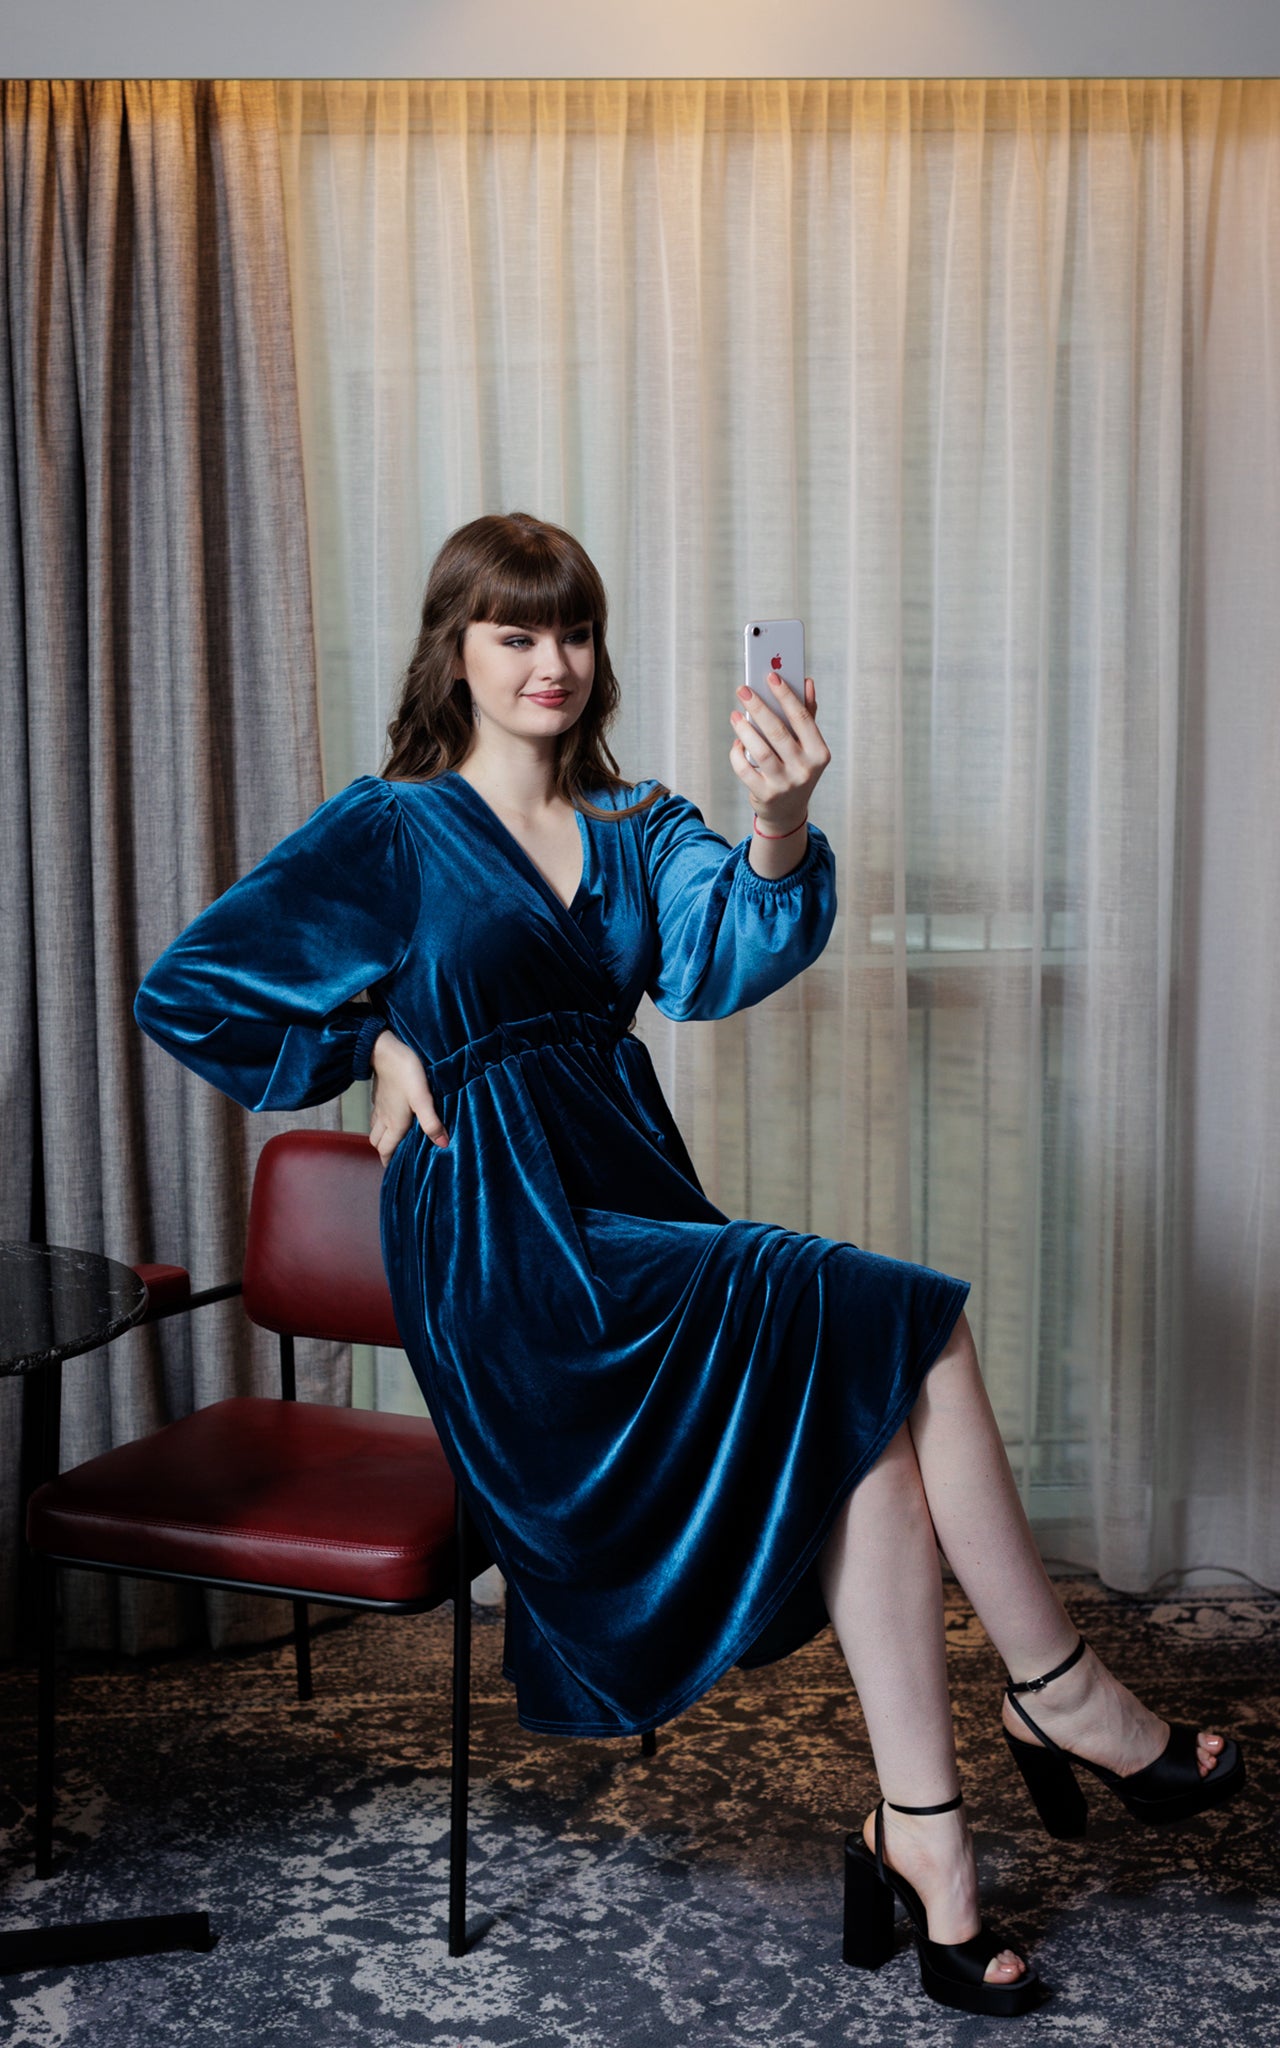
{"x": 755, "y": 632}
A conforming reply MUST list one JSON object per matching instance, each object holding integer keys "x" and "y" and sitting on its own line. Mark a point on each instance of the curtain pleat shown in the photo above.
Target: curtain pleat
{"x": 159, "y": 719}
{"x": 980, "y": 379}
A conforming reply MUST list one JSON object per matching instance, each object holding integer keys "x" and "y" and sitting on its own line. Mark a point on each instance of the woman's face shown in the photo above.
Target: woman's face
{"x": 530, "y": 681}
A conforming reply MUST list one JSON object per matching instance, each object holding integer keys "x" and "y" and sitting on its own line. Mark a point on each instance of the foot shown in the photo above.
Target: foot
{"x": 1089, "y": 1712}
{"x": 934, "y": 1852}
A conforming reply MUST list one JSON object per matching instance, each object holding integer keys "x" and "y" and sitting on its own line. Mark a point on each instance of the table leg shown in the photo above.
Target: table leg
{"x": 86, "y": 1941}
{"x": 98, "y": 1941}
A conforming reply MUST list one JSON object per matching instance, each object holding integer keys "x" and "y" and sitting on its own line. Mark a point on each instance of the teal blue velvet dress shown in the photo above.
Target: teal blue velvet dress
{"x": 654, "y": 1410}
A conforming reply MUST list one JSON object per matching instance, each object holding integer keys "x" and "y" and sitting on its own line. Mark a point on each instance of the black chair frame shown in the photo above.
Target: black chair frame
{"x": 470, "y": 1557}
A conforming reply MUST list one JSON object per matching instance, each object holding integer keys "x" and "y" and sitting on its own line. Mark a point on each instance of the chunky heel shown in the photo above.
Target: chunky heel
{"x": 868, "y": 1910}
{"x": 1055, "y": 1794}
{"x": 952, "y": 1973}
{"x": 1169, "y": 1789}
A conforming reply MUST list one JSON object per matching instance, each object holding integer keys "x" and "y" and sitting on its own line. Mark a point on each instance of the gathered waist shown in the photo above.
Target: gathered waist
{"x": 465, "y": 1063}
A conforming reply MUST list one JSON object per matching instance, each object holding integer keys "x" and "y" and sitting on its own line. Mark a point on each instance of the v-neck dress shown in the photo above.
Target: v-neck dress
{"x": 654, "y": 1410}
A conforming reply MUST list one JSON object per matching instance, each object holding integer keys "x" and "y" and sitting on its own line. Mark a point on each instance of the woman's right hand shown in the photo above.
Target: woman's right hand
{"x": 399, "y": 1094}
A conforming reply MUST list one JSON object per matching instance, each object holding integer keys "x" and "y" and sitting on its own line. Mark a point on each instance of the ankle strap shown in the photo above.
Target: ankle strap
{"x": 948, "y": 1806}
{"x": 1034, "y": 1684}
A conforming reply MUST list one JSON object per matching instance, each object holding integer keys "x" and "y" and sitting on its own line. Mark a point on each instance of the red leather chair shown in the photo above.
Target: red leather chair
{"x": 333, "y": 1505}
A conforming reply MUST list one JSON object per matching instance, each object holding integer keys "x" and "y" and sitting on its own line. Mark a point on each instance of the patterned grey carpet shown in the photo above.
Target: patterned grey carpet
{"x": 615, "y": 1901}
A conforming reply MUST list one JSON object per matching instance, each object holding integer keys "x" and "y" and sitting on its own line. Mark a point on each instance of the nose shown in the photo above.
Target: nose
{"x": 552, "y": 666}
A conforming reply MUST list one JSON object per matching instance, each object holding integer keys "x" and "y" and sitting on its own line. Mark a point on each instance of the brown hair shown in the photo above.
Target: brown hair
{"x": 510, "y": 570}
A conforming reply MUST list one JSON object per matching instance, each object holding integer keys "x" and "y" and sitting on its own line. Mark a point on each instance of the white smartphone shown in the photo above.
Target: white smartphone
{"x": 773, "y": 646}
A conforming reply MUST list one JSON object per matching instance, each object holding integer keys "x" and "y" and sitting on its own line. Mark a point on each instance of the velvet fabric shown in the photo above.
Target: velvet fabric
{"x": 654, "y": 1409}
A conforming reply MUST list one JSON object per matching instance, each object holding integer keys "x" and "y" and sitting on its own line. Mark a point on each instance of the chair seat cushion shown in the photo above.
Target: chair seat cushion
{"x": 325, "y": 1501}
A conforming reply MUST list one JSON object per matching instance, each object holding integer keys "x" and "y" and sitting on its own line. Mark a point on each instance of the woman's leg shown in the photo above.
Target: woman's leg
{"x": 983, "y": 1530}
{"x": 883, "y": 1586}
{"x": 945, "y": 1478}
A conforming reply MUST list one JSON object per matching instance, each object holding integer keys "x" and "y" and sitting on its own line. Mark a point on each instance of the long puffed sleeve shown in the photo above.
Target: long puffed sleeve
{"x": 728, "y": 937}
{"x": 256, "y": 994}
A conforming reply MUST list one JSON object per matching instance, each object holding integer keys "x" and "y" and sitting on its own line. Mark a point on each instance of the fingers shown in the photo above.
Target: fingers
{"x": 787, "y": 724}
{"x": 750, "y": 778}
{"x": 797, "y": 713}
{"x": 386, "y": 1133}
{"x": 787, "y": 756}
{"x": 401, "y": 1095}
{"x": 770, "y": 720}
{"x": 422, "y": 1103}
{"x": 749, "y": 737}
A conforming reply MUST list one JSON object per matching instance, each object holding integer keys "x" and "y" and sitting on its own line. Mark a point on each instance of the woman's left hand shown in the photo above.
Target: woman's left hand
{"x": 789, "y": 748}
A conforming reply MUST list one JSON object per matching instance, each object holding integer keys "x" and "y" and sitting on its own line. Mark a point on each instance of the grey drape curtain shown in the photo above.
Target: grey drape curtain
{"x": 157, "y": 713}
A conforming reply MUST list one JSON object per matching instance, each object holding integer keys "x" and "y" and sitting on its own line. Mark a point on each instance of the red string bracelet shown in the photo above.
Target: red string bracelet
{"x": 779, "y": 835}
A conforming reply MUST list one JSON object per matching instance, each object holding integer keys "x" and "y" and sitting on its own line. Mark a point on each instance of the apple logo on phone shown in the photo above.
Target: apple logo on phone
{"x": 776, "y": 662}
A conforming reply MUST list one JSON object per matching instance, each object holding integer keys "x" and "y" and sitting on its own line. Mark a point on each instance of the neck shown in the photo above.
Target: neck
{"x": 512, "y": 776}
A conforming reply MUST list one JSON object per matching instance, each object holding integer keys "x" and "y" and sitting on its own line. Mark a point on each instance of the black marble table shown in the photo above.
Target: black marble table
{"x": 56, "y": 1302}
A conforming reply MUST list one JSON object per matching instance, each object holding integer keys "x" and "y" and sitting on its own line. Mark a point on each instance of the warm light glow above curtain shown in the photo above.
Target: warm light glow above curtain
{"x": 981, "y": 380}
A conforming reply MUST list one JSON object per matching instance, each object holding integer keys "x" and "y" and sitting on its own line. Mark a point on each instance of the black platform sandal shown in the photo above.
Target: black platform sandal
{"x": 1169, "y": 1789}
{"x": 950, "y": 1971}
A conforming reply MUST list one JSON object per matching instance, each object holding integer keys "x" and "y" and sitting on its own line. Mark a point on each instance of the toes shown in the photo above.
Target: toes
{"x": 1209, "y": 1749}
{"x": 1003, "y": 1967}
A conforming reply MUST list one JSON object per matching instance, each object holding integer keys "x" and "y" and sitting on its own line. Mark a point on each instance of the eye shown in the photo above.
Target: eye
{"x": 516, "y": 640}
{"x": 578, "y": 636}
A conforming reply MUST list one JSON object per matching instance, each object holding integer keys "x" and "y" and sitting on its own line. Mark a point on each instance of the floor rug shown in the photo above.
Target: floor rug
{"x": 615, "y": 1900}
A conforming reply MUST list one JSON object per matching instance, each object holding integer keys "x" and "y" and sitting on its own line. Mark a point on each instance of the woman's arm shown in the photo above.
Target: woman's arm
{"x": 726, "y": 936}
{"x": 736, "y": 923}
{"x": 257, "y": 995}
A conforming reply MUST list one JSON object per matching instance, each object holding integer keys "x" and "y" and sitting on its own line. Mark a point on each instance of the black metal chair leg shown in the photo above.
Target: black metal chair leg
{"x": 46, "y": 1593}
{"x": 649, "y": 1742}
{"x": 302, "y": 1648}
{"x": 461, "y": 1732}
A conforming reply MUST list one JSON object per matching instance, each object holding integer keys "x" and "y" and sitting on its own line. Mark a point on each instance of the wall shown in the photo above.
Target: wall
{"x": 652, "y": 38}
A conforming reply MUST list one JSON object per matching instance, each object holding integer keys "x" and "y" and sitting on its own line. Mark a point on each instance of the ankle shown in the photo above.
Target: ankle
{"x": 934, "y": 1853}
{"x": 1078, "y": 1658}
{"x": 941, "y": 1839}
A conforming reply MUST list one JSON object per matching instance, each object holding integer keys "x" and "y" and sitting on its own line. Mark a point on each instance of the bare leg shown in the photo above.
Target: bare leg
{"x": 883, "y": 1586}
{"x": 945, "y": 1478}
{"x": 983, "y": 1529}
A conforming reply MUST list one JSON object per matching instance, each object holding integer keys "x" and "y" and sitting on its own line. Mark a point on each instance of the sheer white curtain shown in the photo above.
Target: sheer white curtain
{"x": 982, "y": 381}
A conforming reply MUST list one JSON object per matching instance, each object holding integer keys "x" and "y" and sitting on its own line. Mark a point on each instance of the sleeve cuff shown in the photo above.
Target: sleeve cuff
{"x": 366, "y": 1039}
{"x": 769, "y": 885}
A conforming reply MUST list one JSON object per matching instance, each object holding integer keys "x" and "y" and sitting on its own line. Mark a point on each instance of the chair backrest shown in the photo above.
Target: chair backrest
{"x": 313, "y": 1256}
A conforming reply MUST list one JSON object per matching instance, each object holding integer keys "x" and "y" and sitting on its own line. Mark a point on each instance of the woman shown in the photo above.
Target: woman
{"x": 687, "y": 1439}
